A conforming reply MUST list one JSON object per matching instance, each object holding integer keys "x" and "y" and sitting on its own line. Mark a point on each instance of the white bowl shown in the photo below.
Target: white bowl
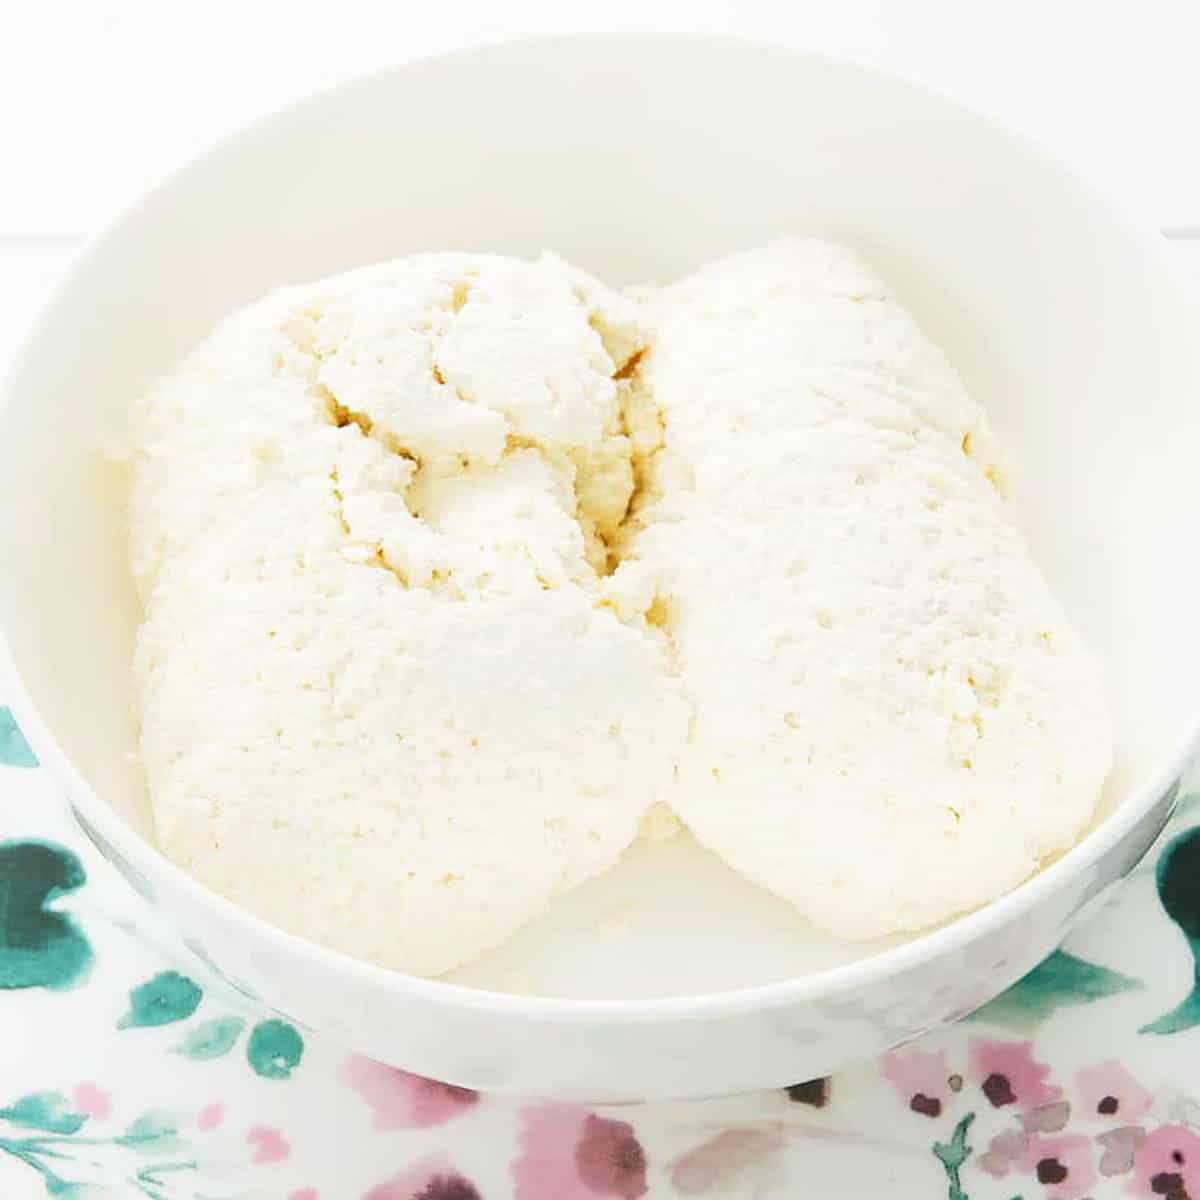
{"x": 638, "y": 157}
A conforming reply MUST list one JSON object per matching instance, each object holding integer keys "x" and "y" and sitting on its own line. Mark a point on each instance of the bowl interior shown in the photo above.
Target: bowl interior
{"x": 637, "y": 158}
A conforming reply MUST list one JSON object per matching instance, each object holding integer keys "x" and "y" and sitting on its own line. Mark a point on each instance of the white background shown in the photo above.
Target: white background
{"x": 99, "y": 97}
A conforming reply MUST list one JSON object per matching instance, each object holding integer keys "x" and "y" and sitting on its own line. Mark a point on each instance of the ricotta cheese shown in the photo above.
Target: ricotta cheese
{"x": 460, "y": 573}
{"x": 893, "y": 721}
{"x": 382, "y": 704}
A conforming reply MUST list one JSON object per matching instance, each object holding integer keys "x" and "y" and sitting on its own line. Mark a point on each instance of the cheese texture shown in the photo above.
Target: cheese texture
{"x": 382, "y": 705}
{"x": 460, "y": 573}
{"x": 893, "y": 721}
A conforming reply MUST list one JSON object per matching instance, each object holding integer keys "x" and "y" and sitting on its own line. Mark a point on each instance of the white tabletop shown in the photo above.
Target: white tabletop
{"x": 98, "y": 99}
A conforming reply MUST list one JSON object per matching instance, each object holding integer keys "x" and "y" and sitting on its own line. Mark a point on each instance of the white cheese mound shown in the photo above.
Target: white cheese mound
{"x": 383, "y": 702}
{"x": 893, "y": 722}
{"x": 460, "y": 573}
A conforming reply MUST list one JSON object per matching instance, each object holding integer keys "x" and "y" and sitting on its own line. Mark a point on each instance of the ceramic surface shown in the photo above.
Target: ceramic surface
{"x": 621, "y": 153}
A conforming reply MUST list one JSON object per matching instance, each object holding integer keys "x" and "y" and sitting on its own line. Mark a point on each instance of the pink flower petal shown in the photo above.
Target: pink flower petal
{"x": 569, "y": 1153}
{"x": 1062, "y": 1165}
{"x": 270, "y": 1146}
{"x": 1167, "y": 1162}
{"x": 303, "y": 1194}
{"x": 1007, "y": 1073}
{"x": 1107, "y": 1092}
{"x": 718, "y": 1160}
{"x": 431, "y": 1178}
{"x": 545, "y": 1168}
{"x": 403, "y": 1101}
{"x": 92, "y": 1101}
{"x": 919, "y": 1077}
{"x": 211, "y": 1117}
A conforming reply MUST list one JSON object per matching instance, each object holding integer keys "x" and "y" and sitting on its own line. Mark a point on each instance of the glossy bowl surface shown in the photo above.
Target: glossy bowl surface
{"x": 638, "y": 157}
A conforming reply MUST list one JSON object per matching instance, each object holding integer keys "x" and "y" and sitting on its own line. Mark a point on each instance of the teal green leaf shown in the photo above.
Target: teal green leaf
{"x": 1177, "y": 877}
{"x": 155, "y": 1131}
{"x": 1184, "y": 1016}
{"x": 274, "y": 1049}
{"x": 150, "y": 1181}
{"x": 63, "y": 1189}
{"x": 210, "y": 1039}
{"x": 952, "y": 1155}
{"x": 14, "y": 749}
{"x": 40, "y": 947}
{"x": 162, "y": 1000}
{"x": 48, "y": 1111}
{"x": 151, "y": 1124}
{"x": 1061, "y": 981}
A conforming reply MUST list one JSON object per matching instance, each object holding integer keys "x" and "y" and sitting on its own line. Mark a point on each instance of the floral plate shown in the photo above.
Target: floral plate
{"x": 122, "y": 1076}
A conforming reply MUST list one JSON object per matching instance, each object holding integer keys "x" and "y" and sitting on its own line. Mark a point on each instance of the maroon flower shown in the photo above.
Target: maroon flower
{"x": 610, "y": 1159}
{"x": 1007, "y": 1073}
{"x": 448, "y": 1187}
{"x": 1167, "y": 1164}
{"x": 1107, "y": 1092}
{"x": 428, "y": 1179}
{"x": 569, "y": 1153}
{"x": 1063, "y": 1165}
{"x": 814, "y": 1092}
{"x": 920, "y": 1077}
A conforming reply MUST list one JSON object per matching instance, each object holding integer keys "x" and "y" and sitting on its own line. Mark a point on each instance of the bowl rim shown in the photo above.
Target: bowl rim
{"x": 921, "y": 948}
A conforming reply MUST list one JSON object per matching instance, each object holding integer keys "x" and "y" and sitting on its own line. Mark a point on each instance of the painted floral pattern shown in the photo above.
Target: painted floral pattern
{"x": 399, "y": 1100}
{"x": 570, "y": 1153}
{"x": 135, "y": 1071}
